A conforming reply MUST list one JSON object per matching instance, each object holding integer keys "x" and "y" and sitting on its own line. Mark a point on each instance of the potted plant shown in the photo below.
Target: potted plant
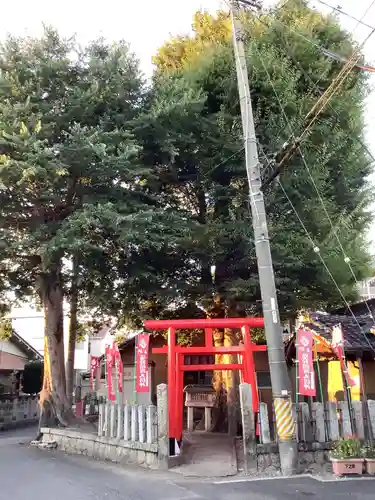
{"x": 369, "y": 455}
{"x": 347, "y": 457}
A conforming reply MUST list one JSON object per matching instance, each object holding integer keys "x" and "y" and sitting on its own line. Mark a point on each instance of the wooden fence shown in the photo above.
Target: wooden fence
{"x": 324, "y": 422}
{"x": 136, "y": 423}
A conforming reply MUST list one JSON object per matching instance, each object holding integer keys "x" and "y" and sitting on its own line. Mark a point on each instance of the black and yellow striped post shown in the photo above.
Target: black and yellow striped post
{"x": 285, "y": 423}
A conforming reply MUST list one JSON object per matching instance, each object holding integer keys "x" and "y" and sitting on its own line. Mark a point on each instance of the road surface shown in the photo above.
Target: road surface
{"x": 33, "y": 474}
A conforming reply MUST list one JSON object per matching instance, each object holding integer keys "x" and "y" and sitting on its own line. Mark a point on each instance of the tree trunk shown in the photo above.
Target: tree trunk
{"x": 219, "y": 414}
{"x": 225, "y": 382}
{"x": 231, "y": 382}
{"x": 54, "y": 406}
{"x": 73, "y": 324}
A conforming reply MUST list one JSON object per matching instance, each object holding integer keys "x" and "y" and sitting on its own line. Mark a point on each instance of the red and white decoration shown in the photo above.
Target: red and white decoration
{"x": 94, "y": 364}
{"x": 306, "y": 374}
{"x": 142, "y": 374}
{"x": 338, "y": 348}
{"x": 119, "y": 367}
{"x": 110, "y": 361}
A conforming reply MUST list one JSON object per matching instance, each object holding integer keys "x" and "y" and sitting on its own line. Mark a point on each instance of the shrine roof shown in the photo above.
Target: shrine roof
{"x": 358, "y": 332}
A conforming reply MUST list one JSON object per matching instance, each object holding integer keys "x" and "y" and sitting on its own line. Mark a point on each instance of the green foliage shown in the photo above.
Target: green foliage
{"x": 71, "y": 183}
{"x": 147, "y": 190}
{"x": 369, "y": 452}
{"x": 5, "y": 328}
{"x": 194, "y": 120}
{"x": 347, "y": 448}
{"x": 32, "y": 377}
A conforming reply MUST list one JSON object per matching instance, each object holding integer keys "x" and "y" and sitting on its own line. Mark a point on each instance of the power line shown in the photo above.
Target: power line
{"x": 308, "y": 77}
{"x": 338, "y": 9}
{"x": 346, "y": 258}
{"x": 296, "y": 145}
{"x": 321, "y": 258}
{"x": 317, "y": 251}
{"x": 321, "y": 104}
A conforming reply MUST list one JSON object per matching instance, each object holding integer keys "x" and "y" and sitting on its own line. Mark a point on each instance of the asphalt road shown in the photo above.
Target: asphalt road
{"x": 33, "y": 474}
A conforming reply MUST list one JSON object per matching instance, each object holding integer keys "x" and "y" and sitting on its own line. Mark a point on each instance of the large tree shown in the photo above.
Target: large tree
{"x": 199, "y": 145}
{"x": 197, "y": 151}
{"x": 70, "y": 183}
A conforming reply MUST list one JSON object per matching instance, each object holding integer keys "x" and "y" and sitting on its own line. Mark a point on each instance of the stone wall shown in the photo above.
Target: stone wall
{"x": 313, "y": 458}
{"x": 18, "y": 412}
{"x": 128, "y": 434}
{"x": 103, "y": 448}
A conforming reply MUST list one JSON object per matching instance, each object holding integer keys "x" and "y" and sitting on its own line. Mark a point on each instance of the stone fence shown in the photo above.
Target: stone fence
{"x": 136, "y": 423}
{"x": 324, "y": 422}
{"x": 125, "y": 434}
{"x": 17, "y": 412}
{"x": 319, "y": 425}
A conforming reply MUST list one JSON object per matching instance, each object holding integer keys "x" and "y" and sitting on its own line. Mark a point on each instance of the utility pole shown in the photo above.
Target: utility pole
{"x": 281, "y": 386}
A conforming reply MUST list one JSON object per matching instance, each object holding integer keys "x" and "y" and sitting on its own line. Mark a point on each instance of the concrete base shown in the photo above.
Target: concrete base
{"x": 124, "y": 452}
{"x": 206, "y": 454}
{"x": 313, "y": 458}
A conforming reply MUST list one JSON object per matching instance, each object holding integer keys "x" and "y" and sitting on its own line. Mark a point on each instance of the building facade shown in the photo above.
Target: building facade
{"x": 29, "y": 324}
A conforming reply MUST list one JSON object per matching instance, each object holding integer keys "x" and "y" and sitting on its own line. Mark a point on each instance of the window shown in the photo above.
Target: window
{"x": 264, "y": 380}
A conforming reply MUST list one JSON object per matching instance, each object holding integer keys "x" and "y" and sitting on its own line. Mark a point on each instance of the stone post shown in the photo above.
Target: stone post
{"x": 15, "y": 409}
{"x": 141, "y": 424}
{"x": 101, "y": 419}
{"x": 264, "y": 424}
{"x": 163, "y": 434}
{"x": 248, "y": 428}
{"x": 207, "y": 419}
{"x": 134, "y": 423}
{"x": 346, "y": 425}
{"x": 190, "y": 418}
{"x": 150, "y": 421}
{"x": 127, "y": 422}
{"x": 333, "y": 423}
{"x": 120, "y": 421}
{"x": 106, "y": 419}
{"x": 113, "y": 423}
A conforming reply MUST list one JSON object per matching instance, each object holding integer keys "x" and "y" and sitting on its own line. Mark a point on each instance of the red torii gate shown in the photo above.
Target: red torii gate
{"x": 177, "y": 367}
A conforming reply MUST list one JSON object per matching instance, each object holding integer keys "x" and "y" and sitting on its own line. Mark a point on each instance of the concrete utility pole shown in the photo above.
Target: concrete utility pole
{"x": 281, "y": 386}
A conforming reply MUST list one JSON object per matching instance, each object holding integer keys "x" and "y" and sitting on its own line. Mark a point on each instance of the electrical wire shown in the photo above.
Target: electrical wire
{"x": 340, "y": 11}
{"x": 321, "y": 258}
{"x": 324, "y": 99}
{"x": 308, "y": 77}
{"x": 317, "y": 251}
{"x": 226, "y": 160}
{"x": 341, "y": 79}
{"x": 346, "y": 258}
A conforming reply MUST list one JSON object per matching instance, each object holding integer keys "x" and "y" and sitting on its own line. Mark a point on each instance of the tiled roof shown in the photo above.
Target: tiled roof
{"x": 357, "y": 332}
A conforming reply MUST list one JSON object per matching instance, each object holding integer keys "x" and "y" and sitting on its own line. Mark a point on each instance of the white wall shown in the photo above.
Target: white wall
{"x": 10, "y": 348}
{"x": 29, "y": 324}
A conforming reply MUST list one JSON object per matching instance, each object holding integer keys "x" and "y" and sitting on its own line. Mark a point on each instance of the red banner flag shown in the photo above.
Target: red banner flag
{"x": 94, "y": 363}
{"x": 338, "y": 348}
{"x": 142, "y": 377}
{"x": 306, "y": 374}
{"x": 109, "y": 362}
{"x": 119, "y": 367}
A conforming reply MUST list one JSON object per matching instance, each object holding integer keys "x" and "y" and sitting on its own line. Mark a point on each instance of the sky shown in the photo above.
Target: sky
{"x": 147, "y": 24}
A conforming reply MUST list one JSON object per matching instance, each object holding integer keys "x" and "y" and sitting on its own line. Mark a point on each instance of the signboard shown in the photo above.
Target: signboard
{"x": 142, "y": 383}
{"x": 119, "y": 368}
{"x": 338, "y": 347}
{"x": 94, "y": 363}
{"x": 109, "y": 371}
{"x": 306, "y": 374}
